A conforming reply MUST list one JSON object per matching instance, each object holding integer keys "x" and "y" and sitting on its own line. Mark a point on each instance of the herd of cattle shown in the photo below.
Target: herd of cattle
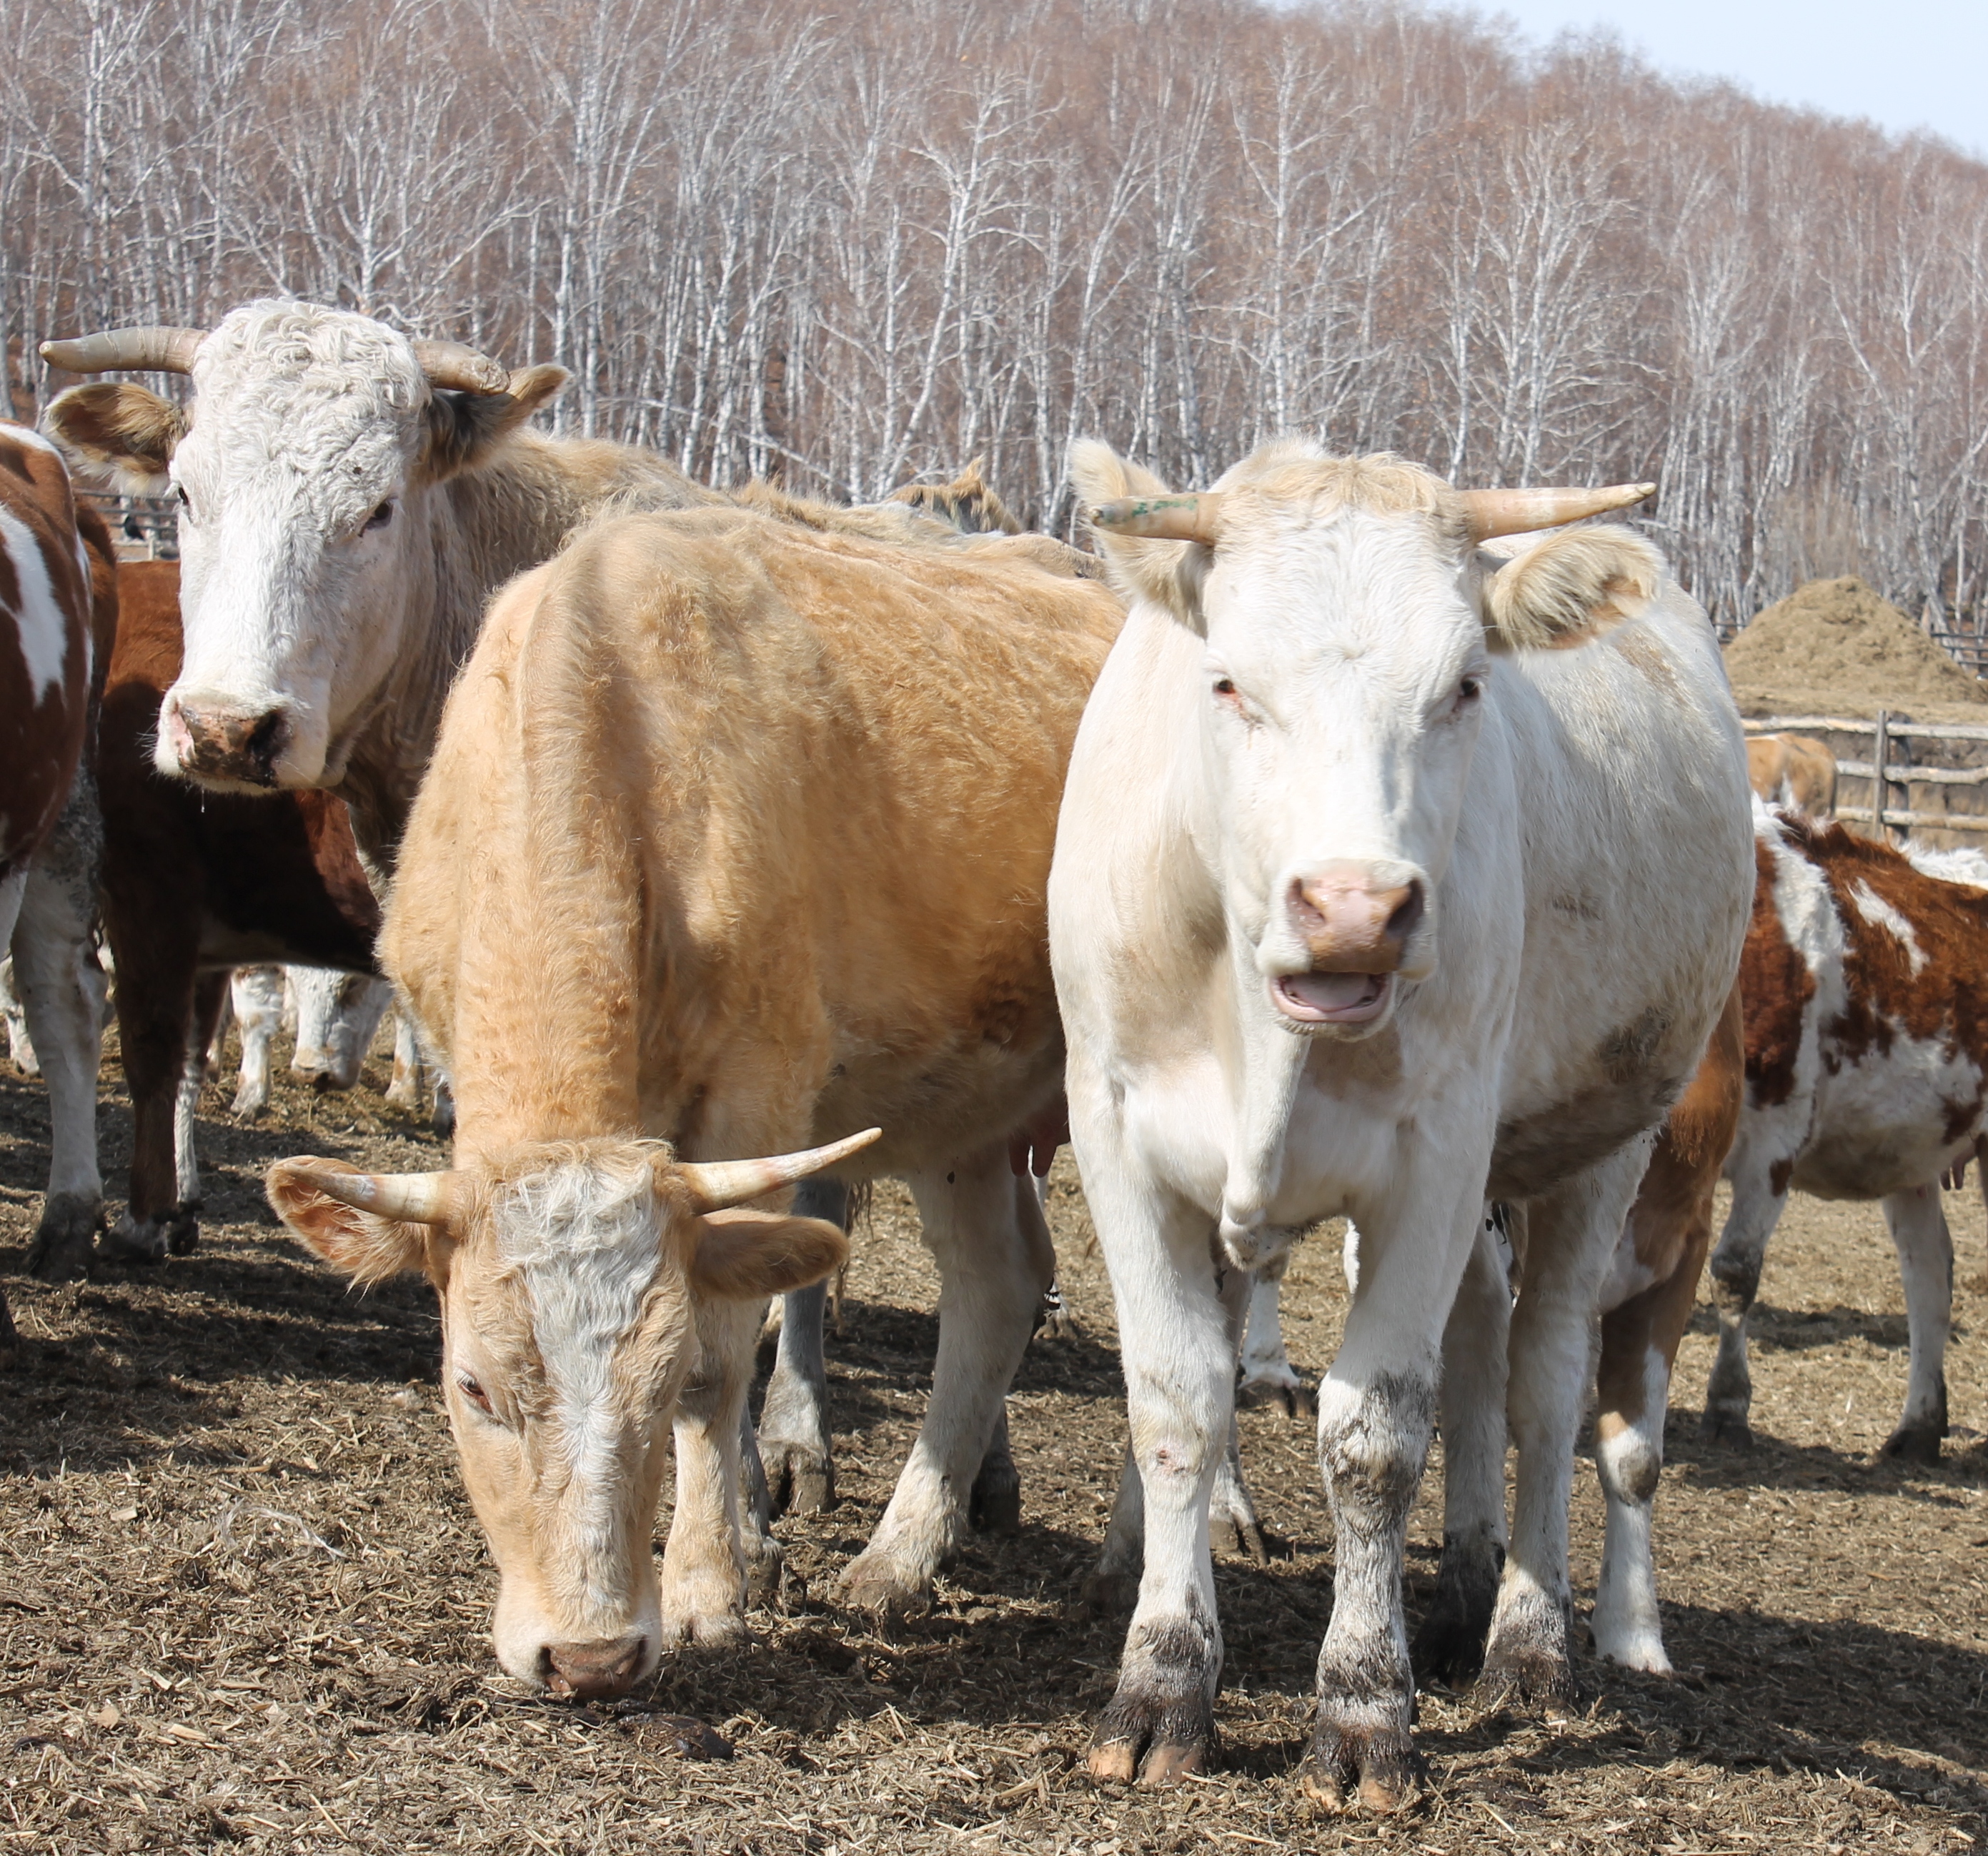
{"x": 1331, "y": 842}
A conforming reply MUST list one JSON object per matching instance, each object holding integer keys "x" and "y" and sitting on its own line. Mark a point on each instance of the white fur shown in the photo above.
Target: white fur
{"x": 39, "y": 623}
{"x": 1880, "y": 913}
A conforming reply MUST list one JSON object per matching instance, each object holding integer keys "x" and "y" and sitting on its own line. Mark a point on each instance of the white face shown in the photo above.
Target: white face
{"x": 1344, "y": 672}
{"x": 292, "y": 484}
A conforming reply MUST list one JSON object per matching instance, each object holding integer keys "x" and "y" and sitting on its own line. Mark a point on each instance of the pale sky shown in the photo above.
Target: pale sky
{"x": 1905, "y": 64}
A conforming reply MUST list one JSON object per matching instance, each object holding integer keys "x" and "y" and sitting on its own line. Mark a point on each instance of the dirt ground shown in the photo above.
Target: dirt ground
{"x": 243, "y": 1603}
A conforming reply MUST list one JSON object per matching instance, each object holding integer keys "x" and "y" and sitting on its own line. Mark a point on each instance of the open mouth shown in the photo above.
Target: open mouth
{"x": 1332, "y": 999}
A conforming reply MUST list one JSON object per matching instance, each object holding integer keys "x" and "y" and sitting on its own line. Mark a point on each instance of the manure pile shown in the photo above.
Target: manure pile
{"x": 1833, "y": 647}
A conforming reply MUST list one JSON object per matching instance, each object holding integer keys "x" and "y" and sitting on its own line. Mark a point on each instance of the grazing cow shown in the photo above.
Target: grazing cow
{"x": 195, "y": 883}
{"x": 1373, "y": 895}
{"x": 1867, "y": 1077}
{"x": 736, "y": 834}
{"x": 332, "y": 1014}
{"x": 57, "y": 607}
{"x": 1795, "y": 772}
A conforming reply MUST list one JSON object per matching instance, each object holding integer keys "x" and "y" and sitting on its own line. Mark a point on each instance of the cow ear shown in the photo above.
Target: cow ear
{"x": 1170, "y": 573}
{"x": 744, "y": 1255}
{"x": 463, "y": 428}
{"x": 362, "y": 1245}
{"x": 116, "y": 436}
{"x": 1571, "y": 587}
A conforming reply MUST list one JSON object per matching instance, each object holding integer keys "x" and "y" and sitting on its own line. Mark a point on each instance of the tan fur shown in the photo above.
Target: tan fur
{"x": 1796, "y": 772}
{"x": 968, "y": 503}
{"x": 1571, "y": 587}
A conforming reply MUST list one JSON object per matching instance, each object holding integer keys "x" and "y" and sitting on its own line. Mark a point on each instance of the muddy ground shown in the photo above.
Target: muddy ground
{"x": 243, "y": 1603}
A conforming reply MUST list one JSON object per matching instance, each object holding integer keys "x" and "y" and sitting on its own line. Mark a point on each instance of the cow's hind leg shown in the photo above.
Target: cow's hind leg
{"x": 55, "y": 967}
{"x": 793, "y": 1419}
{"x": 1917, "y": 1222}
{"x": 1449, "y": 1647}
{"x": 1572, "y": 1234}
{"x": 984, "y": 1227}
{"x": 1268, "y": 1375}
{"x": 1757, "y": 1206}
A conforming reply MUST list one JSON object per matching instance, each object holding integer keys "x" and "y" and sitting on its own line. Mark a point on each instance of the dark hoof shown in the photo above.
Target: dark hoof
{"x": 995, "y": 1507}
{"x": 1729, "y": 1428}
{"x": 183, "y": 1231}
{"x": 1449, "y": 1650}
{"x": 1111, "y": 1594}
{"x": 61, "y": 1251}
{"x": 131, "y": 1240}
{"x": 765, "y": 1572}
{"x": 1529, "y": 1678}
{"x": 1153, "y": 1743}
{"x": 1375, "y": 1769}
{"x": 1247, "y": 1533}
{"x": 1914, "y": 1443}
{"x": 1296, "y": 1400}
{"x": 801, "y": 1480}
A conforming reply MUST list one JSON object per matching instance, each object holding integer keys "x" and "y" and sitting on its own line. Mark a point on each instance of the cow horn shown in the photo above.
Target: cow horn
{"x": 1194, "y": 518}
{"x": 157, "y": 349}
{"x": 415, "y": 1198}
{"x": 1490, "y": 512}
{"x": 715, "y": 1183}
{"x": 452, "y": 364}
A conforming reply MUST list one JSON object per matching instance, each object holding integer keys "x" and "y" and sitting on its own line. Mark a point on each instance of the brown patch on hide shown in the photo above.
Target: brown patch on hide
{"x": 1776, "y": 984}
{"x": 1778, "y": 1176}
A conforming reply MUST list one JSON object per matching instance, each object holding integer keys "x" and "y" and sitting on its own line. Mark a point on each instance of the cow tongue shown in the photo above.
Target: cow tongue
{"x": 1333, "y": 992}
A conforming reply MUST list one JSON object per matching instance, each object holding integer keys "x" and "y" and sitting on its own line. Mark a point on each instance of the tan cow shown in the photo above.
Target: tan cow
{"x": 1795, "y": 772}
{"x": 736, "y": 836}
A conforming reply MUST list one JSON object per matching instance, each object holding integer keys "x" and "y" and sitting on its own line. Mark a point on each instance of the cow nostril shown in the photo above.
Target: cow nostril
{"x": 264, "y": 740}
{"x": 1407, "y": 914}
{"x": 593, "y": 1671}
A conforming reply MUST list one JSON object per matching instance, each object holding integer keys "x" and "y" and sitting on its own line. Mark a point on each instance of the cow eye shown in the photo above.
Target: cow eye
{"x": 1469, "y": 690}
{"x": 473, "y": 1392}
{"x": 379, "y": 518}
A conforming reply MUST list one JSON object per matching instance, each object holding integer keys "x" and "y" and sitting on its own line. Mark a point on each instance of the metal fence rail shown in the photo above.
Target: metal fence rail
{"x": 1883, "y": 772}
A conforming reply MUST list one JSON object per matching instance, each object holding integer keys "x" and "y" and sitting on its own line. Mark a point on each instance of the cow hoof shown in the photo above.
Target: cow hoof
{"x": 877, "y": 1583}
{"x": 1153, "y": 1741}
{"x": 1449, "y": 1650}
{"x": 1727, "y": 1427}
{"x": 1529, "y": 1676}
{"x": 183, "y": 1231}
{"x": 765, "y": 1572}
{"x": 1914, "y": 1443}
{"x": 1292, "y": 1397}
{"x": 1111, "y": 1594}
{"x": 1376, "y": 1770}
{"x": 61, "y": 1251}
{"x": 800, "y": 1478}
{"x": 995, "y": 1507}
{"x": 134, "y": 1240}
{"x": 704, "y": 1609}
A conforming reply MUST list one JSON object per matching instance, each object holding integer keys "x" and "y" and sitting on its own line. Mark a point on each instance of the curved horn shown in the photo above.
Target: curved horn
{"x": 453, "y": 364}
{"x": 158, "y": 350}
{"x": 715, "y": 1183}
{"x": 1161, "y": 518}
{"x": 417, "y": 1199}
{"x": 1490, "y": 512}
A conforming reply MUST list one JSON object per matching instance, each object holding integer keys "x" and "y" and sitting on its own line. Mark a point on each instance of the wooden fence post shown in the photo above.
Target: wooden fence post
{"x": 1878, "y": 742}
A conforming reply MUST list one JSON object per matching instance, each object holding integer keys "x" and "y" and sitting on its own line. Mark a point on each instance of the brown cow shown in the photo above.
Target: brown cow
{"x": 57, "y": 605}
{"x": 1795, "y": 772}
{"x": 195, "y": 883}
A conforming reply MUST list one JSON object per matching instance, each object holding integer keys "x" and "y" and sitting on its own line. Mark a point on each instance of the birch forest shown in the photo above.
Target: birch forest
{"x": 843, "y": 247}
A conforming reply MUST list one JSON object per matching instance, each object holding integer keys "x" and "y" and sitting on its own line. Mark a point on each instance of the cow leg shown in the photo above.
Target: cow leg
{"x": 12, "y": 888}
{"x": 210, "y": 1000}
{"x": 1268, "y": 1376}
{"x": 793, "y": 1419}
{"x": 1449, "y": 1647}
{"x": 1735, "y": 1280}
{"x": 994, "y": 1503}
{"x": 1570, "y": 1238}
{"x": 257, "y": 995}
{"x": 986, "y": 1228}
{"x": 1113, "y": 1586}
{"x": 1917, "y": 1222}
{"x": 405, "y": 1089}
{"x": 709, "y": 1553}
{"x": 54, "y": 961}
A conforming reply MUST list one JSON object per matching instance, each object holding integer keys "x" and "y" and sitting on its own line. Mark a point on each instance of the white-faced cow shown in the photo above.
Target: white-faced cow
{"x": 1867, "y": 1077}
{"x": 736, "y": 836}
{"x": 58, "y": 608}
{"x": 1391, "y": 877}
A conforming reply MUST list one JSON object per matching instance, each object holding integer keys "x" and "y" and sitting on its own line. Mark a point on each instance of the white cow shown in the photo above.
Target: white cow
{"x": 1372, "y": 897}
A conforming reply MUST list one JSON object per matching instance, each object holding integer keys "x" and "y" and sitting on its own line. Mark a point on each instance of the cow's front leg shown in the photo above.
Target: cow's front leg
{"x": 985, "y": 1228}
{"x": 793, "y": 1418}
{"x": 54, "y": 963}
{"x": 1917, "y": 1222}
{"x": 1571, "y": 1234}
{"x": 1735, "y": 1268}
{"x": 1449, "y": 1647}
{"x": 1376, "y": 1412}
{"x": 705, "y": 1561}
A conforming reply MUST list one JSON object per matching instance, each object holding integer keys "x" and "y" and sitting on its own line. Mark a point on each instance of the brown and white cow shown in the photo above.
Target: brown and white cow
{"x": 1795, "y": 772}
{"x": 57, "y": 606}
{"x": 1867, "y": 1077}
{"x": 735, "y": 836}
